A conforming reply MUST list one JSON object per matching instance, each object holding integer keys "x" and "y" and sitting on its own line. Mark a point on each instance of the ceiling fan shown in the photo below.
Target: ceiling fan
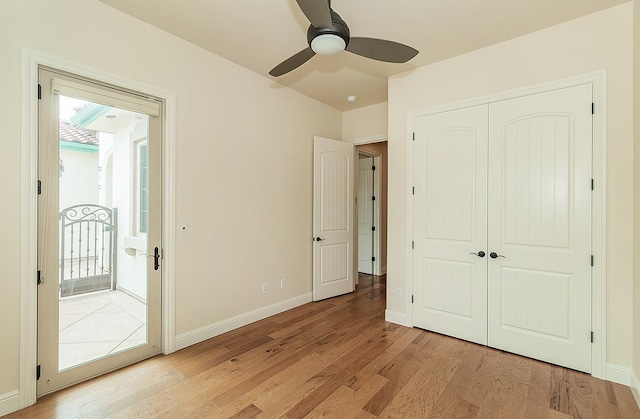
{"x": 329, "y": 34}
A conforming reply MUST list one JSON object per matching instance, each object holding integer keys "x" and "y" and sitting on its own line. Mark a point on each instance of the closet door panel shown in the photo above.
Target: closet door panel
{"x": 539, "y": 226}
{"x": 450, "y": 223}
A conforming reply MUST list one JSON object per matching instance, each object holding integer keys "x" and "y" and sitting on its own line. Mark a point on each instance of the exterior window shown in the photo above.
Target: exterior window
{"x": 142, "y": 188}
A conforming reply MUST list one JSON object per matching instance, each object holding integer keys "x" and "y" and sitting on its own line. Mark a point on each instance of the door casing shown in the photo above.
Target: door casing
{"x": 598, "y": 220}
{"x": 31, "y": 61}
{"x": 377, "y": 211}
{"x": 365, "y": 174}
{"x": 54, "y": 85}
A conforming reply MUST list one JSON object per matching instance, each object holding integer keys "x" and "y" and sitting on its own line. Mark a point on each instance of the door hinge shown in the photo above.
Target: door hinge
{"x": 413, "y": 190}
{"x": 373, "y": 259}
{"x": 413, "y": 244}
{"x": 412, "y": 299}
{"x": 39, "y": 91}
{"x": 39, "y": 278}
{"x": 373, "y": 198}
{"x": 593, "y": 108}
{"x": 373, "y": 168}
{"x": 591, "y": 337}
{"x": 37, "y": 372}
{"x": 591, "y": 260}
{"x": 414, "y": 136}
{"x": 39, "y": 187}
{"x": 592, "y": 185}
{"x": 373, "y": 228}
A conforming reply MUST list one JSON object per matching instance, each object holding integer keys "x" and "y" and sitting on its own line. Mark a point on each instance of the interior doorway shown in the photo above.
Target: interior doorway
{"x": 366, "y": 213}
{"x": 371, "y": 213}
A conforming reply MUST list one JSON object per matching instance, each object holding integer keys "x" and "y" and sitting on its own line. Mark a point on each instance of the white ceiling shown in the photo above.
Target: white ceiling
{"x": 259, "y": 34}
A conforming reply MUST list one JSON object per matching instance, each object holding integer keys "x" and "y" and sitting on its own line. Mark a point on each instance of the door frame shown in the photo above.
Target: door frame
{"x": 598, "y": 203}
{"x": 31, "y": 60}
{"x": 377, "y": 162}
{"x": 377, "y": 238}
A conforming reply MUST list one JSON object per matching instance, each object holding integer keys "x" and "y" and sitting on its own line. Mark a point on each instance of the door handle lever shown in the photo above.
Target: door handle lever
{"x": 319, "y": 239}
{"x": 156, "y": 259}
{"x": 480, "y": 254}
{"x": 495, "y": 255}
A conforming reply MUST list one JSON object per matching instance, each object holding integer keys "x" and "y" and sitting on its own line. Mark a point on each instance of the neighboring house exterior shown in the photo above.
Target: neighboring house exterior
{"x": 79, "y": 162}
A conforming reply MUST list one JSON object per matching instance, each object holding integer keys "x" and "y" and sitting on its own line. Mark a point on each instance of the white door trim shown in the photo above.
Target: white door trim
{"x": 377, "y": 251}
{"x": 369, "y": 140}
{"x": 378, "y": 269}
{"x": 598, "y": 221}
{"x": 31, "y": 59}
{"x": 377, "y": 246}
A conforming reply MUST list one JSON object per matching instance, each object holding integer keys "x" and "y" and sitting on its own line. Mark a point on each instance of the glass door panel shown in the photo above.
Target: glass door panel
{"x": 102, "y": 305}
{"x": 99, "y": 231}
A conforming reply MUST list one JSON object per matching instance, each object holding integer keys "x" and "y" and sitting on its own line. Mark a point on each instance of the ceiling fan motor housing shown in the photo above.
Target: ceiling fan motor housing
{"x": 339, "y": 28}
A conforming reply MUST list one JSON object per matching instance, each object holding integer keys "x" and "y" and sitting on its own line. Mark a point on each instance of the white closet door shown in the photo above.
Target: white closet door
{"x": 450, "y": 223}
{"x": 540, "y": 226}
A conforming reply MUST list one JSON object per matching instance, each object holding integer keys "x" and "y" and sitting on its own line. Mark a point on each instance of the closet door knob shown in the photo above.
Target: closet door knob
{"x": 480, "y": 254}
{"x": 495, "y": 255}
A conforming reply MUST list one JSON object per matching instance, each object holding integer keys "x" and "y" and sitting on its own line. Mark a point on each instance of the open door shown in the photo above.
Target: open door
{"x": 333, "y": 240}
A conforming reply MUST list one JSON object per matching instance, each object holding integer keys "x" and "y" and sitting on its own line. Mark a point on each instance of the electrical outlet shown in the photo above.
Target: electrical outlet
{"x": 283, "y": 283}
{"x": 398, "y": 292}
{"x": 265, "y": 288}
{"x": 184, "y": 230}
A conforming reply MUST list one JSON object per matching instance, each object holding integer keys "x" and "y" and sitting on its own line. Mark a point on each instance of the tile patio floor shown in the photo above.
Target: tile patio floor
{"x": 99, "y": 324}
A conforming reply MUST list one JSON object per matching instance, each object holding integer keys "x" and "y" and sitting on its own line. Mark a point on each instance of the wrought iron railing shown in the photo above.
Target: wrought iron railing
{"x": 88, "y": 257}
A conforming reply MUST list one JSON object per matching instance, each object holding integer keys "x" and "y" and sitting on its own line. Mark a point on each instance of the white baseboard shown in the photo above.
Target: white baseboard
{"x": 619, "y": 374}
{"x": 207, "y": 332}
{"x": 396, "y": 317}
{"x": 380, "y": 270}
{"x": 635, "y": 387}
{"x": 9, "y": 402}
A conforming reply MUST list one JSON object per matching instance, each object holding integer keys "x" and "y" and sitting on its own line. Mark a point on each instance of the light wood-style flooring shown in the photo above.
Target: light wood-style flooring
{"x": 339, "y": 359}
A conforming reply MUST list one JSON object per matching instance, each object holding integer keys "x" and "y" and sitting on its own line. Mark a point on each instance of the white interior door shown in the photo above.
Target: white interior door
{"x": 365, "y": 215}
{"x": 334, "y": 236}
{"x": 540, "y": 225}
{"x": 450, "y": 223}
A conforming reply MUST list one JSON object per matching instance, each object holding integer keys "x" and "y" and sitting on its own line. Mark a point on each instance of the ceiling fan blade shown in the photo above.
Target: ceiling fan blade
{"x": 381, "y": 50}
{"x": 317, "y": 11}
{"x": 292, "y": 62}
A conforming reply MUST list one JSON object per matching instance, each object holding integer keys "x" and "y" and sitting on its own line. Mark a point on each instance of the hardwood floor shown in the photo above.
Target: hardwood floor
{"x": 338, "y": 358}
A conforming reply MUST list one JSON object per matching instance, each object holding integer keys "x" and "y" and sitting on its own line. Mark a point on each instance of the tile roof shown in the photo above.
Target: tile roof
{"x": 76, "y": 135}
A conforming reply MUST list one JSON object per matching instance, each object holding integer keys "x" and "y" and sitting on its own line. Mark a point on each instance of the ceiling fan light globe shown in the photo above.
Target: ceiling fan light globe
{"x": 328, "y": 44}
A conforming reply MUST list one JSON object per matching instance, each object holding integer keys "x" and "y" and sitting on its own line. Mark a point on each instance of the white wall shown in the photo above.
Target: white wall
{"x": 244, "y": 162}
{"x": 131, "y": 272}
{"x": 79, "y": 181}
{"x": 595, "y": 42}
{"x": 636, "y": 225}
{"x": 365, "y": 122}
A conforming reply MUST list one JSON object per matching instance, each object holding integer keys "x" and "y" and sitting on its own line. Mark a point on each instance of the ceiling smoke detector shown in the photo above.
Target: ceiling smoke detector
{"x": 351, "y": 99}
